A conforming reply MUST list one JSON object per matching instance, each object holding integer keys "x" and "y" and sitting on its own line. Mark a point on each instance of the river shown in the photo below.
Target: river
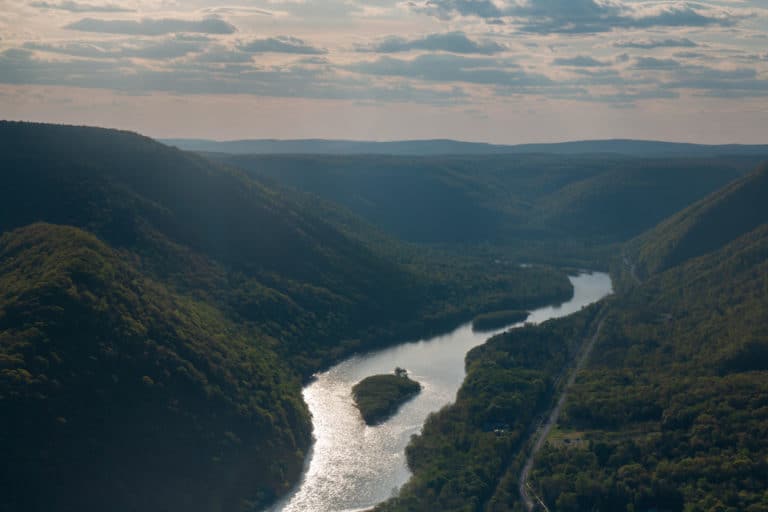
{"x": 353, "y": 466}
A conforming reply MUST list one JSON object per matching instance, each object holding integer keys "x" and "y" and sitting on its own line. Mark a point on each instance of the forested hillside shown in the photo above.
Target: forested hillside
{"x": 706, "y": 226}
{"x": 673, "y": 410}
{"x": 669, "y": 415}
{"x": 470, "y": 448}
{"x": 263, "y": 254}
{"x": 159, "y": 313}
{"x": 535, "y": 206}
{"x": 118, "y": 394}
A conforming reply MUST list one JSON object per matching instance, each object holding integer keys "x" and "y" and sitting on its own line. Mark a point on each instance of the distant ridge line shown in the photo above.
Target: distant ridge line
{"x": 433, "y": 147}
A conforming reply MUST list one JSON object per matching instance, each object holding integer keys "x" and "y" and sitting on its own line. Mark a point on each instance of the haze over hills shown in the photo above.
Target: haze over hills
{"x": 630, "y": 147}
{"x": 503, "y": 199}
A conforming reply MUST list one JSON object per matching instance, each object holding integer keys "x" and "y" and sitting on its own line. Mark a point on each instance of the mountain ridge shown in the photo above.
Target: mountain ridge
{"x": 706, "y": 225}
{"x": 634, "y": 147}
{"x": 159, "y": 312}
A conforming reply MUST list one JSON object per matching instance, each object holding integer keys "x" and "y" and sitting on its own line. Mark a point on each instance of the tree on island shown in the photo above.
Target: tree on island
{"x": 401, "y": 372}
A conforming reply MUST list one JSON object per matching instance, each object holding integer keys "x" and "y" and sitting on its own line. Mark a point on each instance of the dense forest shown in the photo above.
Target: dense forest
{"x": 119, "y": 394}
{"x": 539, "y": 207}
{"x": 162, "y": 309}
{"x": 466, "y": 449}
{"x": 670, "y": 413}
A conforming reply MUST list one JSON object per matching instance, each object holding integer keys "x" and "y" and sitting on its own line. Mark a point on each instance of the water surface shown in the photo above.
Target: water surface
{"x": 353, "y": 466}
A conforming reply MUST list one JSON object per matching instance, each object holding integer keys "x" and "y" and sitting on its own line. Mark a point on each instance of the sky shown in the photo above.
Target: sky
{"x": 501, "y": 71}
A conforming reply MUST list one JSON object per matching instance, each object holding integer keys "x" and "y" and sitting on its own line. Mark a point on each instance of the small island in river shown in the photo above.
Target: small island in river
{"x": 378, "y": 397}
{"x": 498, "y": 319}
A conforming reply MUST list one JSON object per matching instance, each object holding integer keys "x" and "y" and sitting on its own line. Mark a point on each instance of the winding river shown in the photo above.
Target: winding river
{"x": 353, "y": 466}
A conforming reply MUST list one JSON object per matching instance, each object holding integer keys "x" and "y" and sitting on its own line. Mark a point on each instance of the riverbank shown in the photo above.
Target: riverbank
{"x": 353, "y": 466}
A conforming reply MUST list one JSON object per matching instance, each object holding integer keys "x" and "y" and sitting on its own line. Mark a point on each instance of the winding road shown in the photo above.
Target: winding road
{"x": 527, "y": 495}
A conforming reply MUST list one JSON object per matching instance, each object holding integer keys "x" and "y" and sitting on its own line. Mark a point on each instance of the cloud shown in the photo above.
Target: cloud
{"x": 281, "y": 44}
{"x": 452, "y": 68}
{"x": 223, "y": 54}
{"x": 20, "y": 66}
{"x": 656, "y": 43}
{"x": 454, "y": 42}
{"x": 582, "y": 16}
{"x": 153, "y": 27}
{"x": 581, "y": 61}
{"x": 652, "y": 63}
{"x": 71, "y": 6}
{"x": 690, "y": 55}
{"x": 447, "y": 9}
{"x": 629, "y": 97}
{"x": 167, "y": 49}
{"x": 236, "y": 9}
{"x": 721, "y": 83}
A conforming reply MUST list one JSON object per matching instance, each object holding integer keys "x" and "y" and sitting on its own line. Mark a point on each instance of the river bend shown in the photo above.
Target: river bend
{"x": 353, "y": 466}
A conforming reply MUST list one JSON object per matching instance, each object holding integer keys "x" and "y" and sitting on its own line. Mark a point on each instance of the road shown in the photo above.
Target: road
{"x": 530, "y": 499}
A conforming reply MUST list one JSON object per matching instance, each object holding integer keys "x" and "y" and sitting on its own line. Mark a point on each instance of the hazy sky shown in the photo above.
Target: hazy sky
{"x": 503, "y": 71}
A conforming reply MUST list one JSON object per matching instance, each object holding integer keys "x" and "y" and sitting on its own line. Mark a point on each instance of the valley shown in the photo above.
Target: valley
{"x": 162, "y": 310}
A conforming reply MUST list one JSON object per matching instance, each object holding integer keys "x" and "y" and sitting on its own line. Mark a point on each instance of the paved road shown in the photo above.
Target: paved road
{"x": 530, "y": 499}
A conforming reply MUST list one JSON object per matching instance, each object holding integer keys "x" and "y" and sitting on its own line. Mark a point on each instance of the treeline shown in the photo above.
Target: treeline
{"x": 498, "y": 319}
{"x": 469, "y": 447}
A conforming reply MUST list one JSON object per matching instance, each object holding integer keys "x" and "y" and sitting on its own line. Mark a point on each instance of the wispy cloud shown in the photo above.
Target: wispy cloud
{"x": 580, "y": 61}
{"x": 71, "y": 6}
{"x": 236, "y": 9}
{"x": 452, "y": 68}
{"x": 172, "y": 48}
{"x": 581, "y": 16}
{"x": 650, "y": 44}
{"x": 19, "y": 66}
{"x": 153, "y": 27}
{"x": 484, "y": 54}
{"x": 454, "y": 42}
{"x": 281, "y": 44}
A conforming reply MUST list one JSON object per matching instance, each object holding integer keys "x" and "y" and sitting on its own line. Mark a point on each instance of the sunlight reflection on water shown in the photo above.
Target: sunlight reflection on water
{"x": 353, "y": 466}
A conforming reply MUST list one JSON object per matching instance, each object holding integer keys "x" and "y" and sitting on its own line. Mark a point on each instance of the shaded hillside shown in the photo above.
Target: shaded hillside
{"x": 123, "y": 186}
{"x": 706, "y": 225}
{"x": 203, "y": 228}
{"x": 168, "y": 320}
{"x": 511, "y": 200}
{"x": 402, "y": 196}
{"x": 633, "y": 196}
{"x": 263, "y": 254}
{"x": 117, "y": 394}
